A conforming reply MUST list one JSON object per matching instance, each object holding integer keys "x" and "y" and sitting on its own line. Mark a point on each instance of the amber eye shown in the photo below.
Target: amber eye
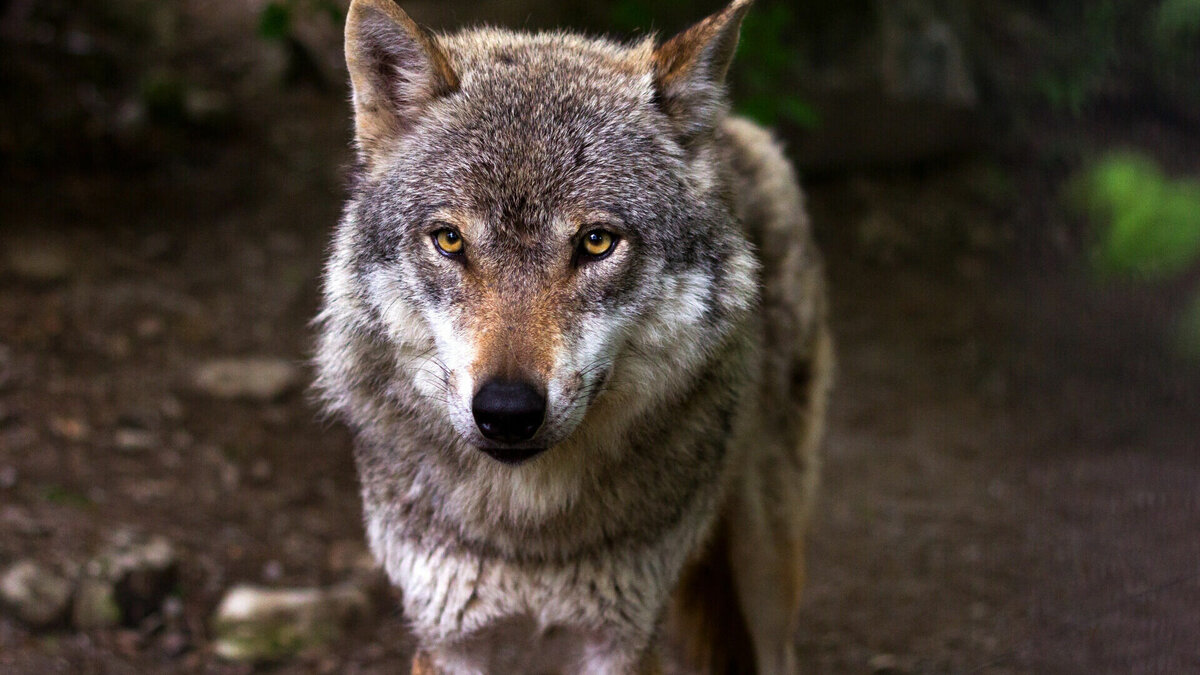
{"x": 598, "y": 243}
{"x": 448, "y": 242}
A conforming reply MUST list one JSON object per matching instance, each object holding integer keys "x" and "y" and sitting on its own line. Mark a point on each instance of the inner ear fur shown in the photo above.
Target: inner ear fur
{"x": 690, "y": 69}
{"x": 396, "y": 69}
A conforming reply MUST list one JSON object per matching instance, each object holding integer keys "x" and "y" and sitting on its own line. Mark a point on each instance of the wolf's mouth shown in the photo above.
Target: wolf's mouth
{"x": 512, "y": 455}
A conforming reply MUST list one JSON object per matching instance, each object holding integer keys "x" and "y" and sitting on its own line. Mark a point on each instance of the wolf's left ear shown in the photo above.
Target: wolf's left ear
{"x": 396, "y": 70}
{"x": 690, "y": 69}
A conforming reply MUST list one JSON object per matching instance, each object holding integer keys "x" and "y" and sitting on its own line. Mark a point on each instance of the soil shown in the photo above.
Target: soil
{"x": 1011, "y": 482}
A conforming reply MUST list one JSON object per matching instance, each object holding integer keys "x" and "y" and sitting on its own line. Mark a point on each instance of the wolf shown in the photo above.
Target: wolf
{"x": 575, "y": 317}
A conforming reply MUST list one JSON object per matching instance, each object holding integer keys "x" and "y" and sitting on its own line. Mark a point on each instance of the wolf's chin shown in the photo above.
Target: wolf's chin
{"x": 512, "y": 456}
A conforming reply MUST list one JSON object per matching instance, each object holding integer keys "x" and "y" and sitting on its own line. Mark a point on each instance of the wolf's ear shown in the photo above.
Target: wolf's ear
{"x": 396, "y": 69}
{"x": 690, "y": 69}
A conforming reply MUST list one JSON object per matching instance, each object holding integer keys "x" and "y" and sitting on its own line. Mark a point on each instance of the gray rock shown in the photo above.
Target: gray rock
{"x": 95, "y": 605}
{"x": 138, "y": 571}
{"x": 20, "y": 520}
{"x": 35, "y": 594}
{"x": 255, "y": 378}
{"x": 258, "y": 624}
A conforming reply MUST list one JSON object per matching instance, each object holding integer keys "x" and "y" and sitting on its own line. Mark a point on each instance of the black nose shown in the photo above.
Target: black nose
{"x": 507, "y": 411}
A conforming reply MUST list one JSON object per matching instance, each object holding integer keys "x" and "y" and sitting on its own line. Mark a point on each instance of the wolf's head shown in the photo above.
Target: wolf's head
{"x": 542, "y": 222}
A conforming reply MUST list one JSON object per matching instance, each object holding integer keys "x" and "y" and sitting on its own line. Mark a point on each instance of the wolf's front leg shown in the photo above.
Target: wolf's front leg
{"x": 423, "y": 665}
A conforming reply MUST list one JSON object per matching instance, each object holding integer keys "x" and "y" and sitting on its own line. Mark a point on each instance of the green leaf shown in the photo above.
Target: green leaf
{"x": 333, "y": 10}
{"x": 800, "y": 113}
{"x": 1150, "y": 225}
{"x": 275, "y": 21}
{"x": 631, "y": 16}
{"x": 760, "y": 108}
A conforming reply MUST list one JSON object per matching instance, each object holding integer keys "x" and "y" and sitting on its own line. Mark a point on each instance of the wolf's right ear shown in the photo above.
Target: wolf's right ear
{"x": 690, "y": 69}
{"x": 396, "y": 69}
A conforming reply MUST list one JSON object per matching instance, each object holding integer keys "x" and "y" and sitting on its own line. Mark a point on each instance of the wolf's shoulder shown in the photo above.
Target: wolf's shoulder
{"x": 764, "y": 188}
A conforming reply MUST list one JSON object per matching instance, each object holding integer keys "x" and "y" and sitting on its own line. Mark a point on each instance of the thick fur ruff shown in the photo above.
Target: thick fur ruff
{"x": 684, "y": 371}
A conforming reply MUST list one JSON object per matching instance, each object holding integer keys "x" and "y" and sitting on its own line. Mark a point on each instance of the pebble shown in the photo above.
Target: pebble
{"x": 70, "y": 428}
{"x": 254, "y": 378}
{"x": 38, "y": 260}
{"x": 139, "y": 570}
{"x": 95, "y": 605}
{"x": 35, "y": 594}
{"x": 20, "y": 520}
{"x": 272, "y": 571}
{"x": 8, "y": 477}
{"x": 260, "y": 624}
{"x": 132, "y": 439}
{"x": 260, "y": 471}
{"x": 885, "y": 664}
{"x": 171, "y": 408}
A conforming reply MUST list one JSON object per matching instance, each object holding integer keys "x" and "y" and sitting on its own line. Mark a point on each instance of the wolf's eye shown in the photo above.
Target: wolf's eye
{"x": 448, "y": 242}
{"x": 597, "y": 244}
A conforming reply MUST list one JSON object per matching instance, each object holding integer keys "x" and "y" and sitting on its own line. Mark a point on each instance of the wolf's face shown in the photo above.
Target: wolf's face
{"x": 539, "y": 222}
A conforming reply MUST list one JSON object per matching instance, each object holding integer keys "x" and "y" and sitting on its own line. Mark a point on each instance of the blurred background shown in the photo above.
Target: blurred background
{"x": 1008, "y": 198}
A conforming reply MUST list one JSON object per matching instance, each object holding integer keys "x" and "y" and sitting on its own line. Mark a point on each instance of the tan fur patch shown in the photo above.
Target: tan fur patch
{"x": 515, "y": 338}
{"x": 423, "y": 665}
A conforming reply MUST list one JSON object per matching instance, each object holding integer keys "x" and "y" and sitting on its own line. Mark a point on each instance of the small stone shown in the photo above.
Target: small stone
{"x": 35, "y": 594}
{"x": 130, "y": 439}
{"x": 171, "y": 458}
{"x": 37, "y": 260}
{"x": 175, "y": 644}
{"x": 172, "y": 609}
{"x": 260, "y": 471}
{"x": 885, "y": 664}
{"x": 95, "y": 605}
{"x": 206, "y": 107}
{"x": 8, "y": 477}
{"x": 19, "y": 520}
{"x": 272, "y": 571}
{"x": 257, "y": 624}
{"x": 255, "y": 378}
{"x": 231, "y": 476}
{"x": 140, "y": 571}
{"x": 171, "y": 408}
{"x": 70, "y": 428}
{"x": 149, "y": 328}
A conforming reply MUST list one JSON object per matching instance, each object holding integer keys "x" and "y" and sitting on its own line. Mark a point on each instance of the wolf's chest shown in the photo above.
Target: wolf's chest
{"x": 474, "y": 606}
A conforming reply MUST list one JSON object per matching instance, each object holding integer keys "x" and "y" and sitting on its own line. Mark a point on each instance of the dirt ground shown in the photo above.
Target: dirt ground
{"x": 1012, "y": 475}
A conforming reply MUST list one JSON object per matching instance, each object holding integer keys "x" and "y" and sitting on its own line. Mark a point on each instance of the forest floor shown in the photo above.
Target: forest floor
{"x": 1011, "y": 476}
